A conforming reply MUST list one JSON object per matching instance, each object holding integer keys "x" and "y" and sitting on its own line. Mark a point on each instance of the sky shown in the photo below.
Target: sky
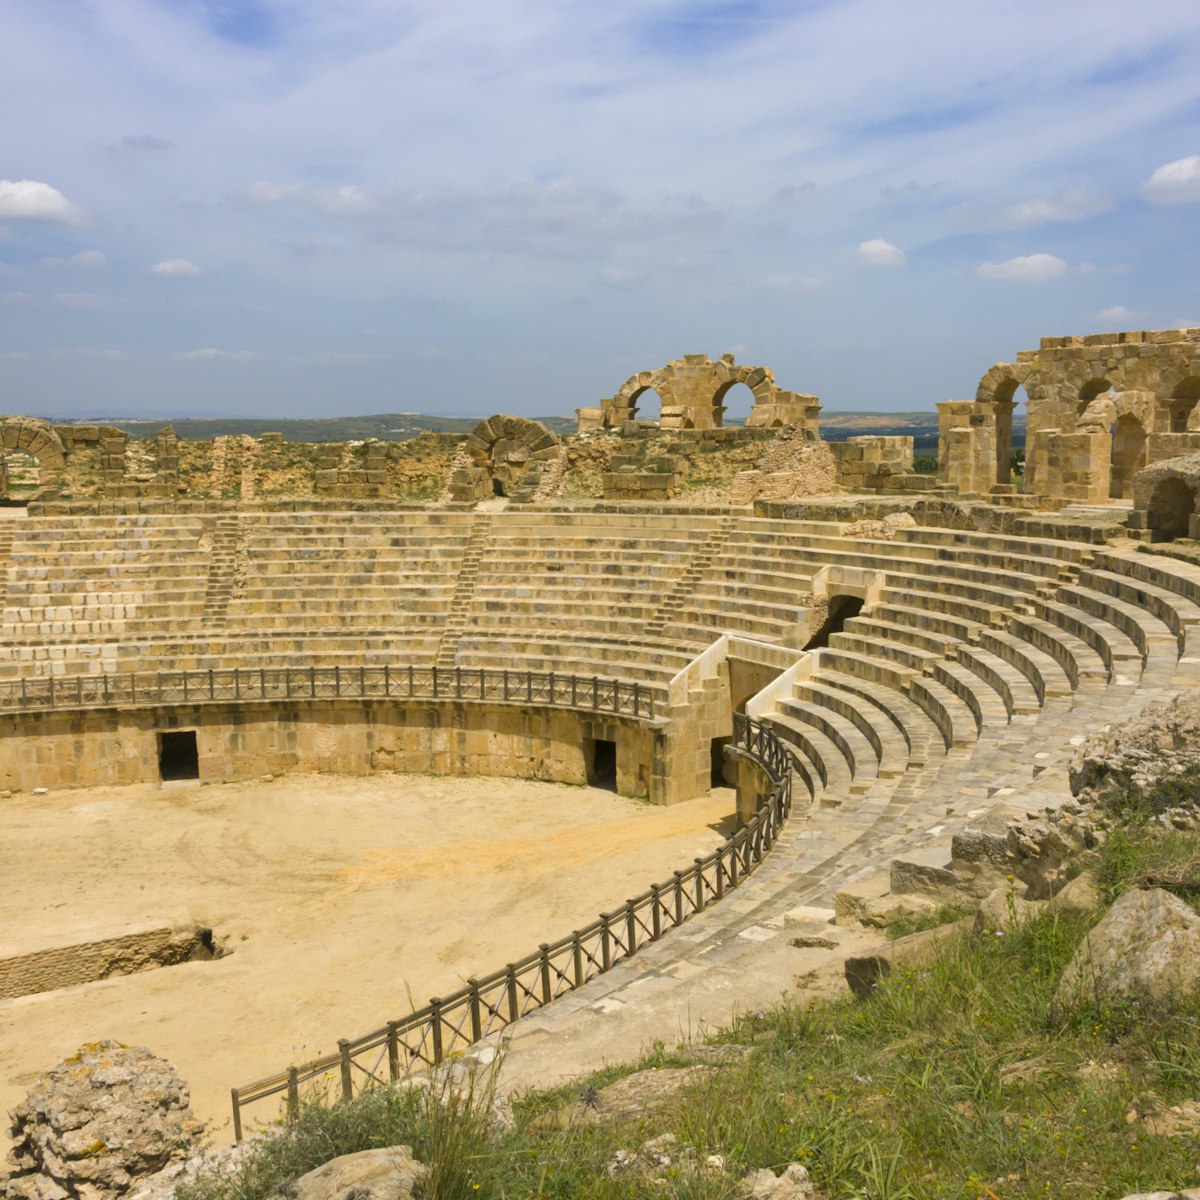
{"x": 463, "y": 207}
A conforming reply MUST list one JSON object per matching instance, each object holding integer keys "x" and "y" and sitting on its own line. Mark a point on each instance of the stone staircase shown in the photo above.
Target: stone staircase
{"x": 464, "y": 592}
{"x": 685, "y": 585}
{"x": 6, "y": 544}
{"x": 222, "y": 571}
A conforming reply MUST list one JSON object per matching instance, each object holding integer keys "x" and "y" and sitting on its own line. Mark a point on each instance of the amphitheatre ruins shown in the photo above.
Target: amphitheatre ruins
{"x": 775, "y": 674}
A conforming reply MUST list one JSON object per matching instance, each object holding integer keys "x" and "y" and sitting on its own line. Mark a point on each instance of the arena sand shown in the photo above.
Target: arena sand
{"x": 344, "y": 902}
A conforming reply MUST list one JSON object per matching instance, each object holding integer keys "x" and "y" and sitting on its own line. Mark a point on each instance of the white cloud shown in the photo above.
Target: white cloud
{"x": 1118, "y": 312}
{"x": 84, "y": 300}
{"x": 346, "y": 201}
{"x": 879, "y": 253}
{"x": 1073, "y": 206}
{"x": 1027, "y": 268}
{"x": 211, "y": 352}
{"x": 15, "y": 298}
{"x": 1175, "y": 182}
{"x": 29, "y": 200}
{"x": 89, "y": 258}
{"x": 792, "y": 283}
{"x": 176, "y": 266}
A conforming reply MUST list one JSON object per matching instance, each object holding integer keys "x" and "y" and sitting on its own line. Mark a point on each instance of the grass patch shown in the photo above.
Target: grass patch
{"x": 954, "y": 1081}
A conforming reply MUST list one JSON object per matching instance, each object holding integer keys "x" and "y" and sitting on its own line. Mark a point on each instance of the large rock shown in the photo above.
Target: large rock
{"x": 97, "y": 1123}
{"x": 793, "y": 1184}
{"x": 1041, "y": 850}
{"x": 1145, "y": 948}
{"x": 388, "y": 1174}
{"x": 1161, "y": 741}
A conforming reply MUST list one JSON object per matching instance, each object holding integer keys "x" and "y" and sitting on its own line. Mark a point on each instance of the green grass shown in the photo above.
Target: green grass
{"x": 955, "y": 1081}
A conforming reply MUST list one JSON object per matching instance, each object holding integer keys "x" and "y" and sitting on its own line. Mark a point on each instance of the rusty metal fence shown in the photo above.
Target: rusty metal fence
{"x": 487, "y": 684}
{"x": 449, "y": 1024}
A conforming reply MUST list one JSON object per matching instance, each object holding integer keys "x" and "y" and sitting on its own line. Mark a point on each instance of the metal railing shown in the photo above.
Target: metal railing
{"x": 400, "y": 682}
{"x": 449, "y": 1024}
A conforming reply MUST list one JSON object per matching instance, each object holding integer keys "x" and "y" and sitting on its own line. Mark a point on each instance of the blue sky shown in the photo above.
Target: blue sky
{"x": 316, "y": 207}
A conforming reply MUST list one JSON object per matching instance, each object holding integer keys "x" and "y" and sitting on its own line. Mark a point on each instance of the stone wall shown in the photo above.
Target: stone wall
{"x": 1151, "y": 378}
{"x": 118, "y": 953}
{"x": 85, "y": 749}
{"x": 876, "y": 463}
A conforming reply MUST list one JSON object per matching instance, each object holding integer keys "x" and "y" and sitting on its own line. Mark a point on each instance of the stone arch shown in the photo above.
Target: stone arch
{"x": 1090, "y": 390}
{"x": 1183, "y": 406}
{"x": 997, "y": 391}
{"x": 693, "y": 389}
{"x": 38, "y": 439}
{"x": 1126, "y": 420}
{"x": 508, "y": 456}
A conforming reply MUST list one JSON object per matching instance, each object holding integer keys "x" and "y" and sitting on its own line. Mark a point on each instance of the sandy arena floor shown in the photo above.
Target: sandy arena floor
{"x": 339, "y": 897}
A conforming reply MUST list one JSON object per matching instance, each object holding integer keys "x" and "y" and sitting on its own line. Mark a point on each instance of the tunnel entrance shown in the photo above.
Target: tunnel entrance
{"x": 841, "y": 609}
{"x": 601, "y": 757}
{"x": 178, "y": 757}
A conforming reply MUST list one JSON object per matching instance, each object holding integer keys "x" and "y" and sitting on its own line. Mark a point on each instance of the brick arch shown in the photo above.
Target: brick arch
{"x": 999, "y": 384}
{"x": 1106, "y": 408}
{"x": 508, "y": 455}
{"x": 38, "y": 439}
{"x": 692, "y": 390}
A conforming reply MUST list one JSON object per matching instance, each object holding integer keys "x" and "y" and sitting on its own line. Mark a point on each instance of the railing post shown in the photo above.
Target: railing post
{"x": 104, "y": 677}
{"x": 237, "y": 1115}
{"x": 410, "y": 681}
{"x": 347, "y": 1082}
{"x": 719, "y": 863}
{"x": 435, "y": 682}
{"x": 262, "y": 682}
{"x": 595, "y": 692}
{"x": 551, "y": 687}
{"x": 699, "y": 887}
{"x": 293, "y": 1096}
{"x": 362, "y": 681}
{"x": 483, "y": 683}
{"x": 435, "y": 1015}
{"x": 458, "y": 683}
{"x": 514, "y": 1008}
{"x": 476, "y": 1011}
{"x": 393, "y": 1050}
{"x": 734, "y": 863}
{"x": 547, "y": 994}
{"x": 574, "y": 682}
{"x": 387, "y": 680}
{"x": 528, "y": 687}
{"x": 337, "y": 680}
{"x": 237, "y": 683}
{"x": 631, "y": 927}
{"x": 506, "y": 683}
{"x": 655, "y": 912}
{"x": 637, "y": 699}
{"x": 605, "y": 942}
{"x": 312, "y": 682}
{"x": 79, "y": 690}
{"x": 577, "y": 957}
{"x": 678, "y": 898}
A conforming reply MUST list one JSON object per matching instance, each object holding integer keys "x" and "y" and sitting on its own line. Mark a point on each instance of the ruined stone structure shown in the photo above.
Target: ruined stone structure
{"x": 507, "y": 458}
{"x": 693, "y": 389}
{"x": 1099, "y": 408}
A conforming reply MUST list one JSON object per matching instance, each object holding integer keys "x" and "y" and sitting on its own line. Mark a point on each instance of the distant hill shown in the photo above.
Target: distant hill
{"x": 399, "y": 427}
{"x": 385, "y": 427}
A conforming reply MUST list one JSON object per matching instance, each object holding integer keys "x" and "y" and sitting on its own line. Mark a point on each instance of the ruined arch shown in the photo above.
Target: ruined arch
{"x": 693, "y": 389}
{"x": 1183, "y": 407}
{"x": 38, "y": 439}
{"x": 1090, "y": 390}
{"x": 507, "y": 458}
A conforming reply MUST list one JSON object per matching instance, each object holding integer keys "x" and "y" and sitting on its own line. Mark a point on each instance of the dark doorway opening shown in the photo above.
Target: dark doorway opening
{"x": 841, "y": 609}
{"x": 719, "y": 764}
{"x": 1171, "y": 509}
{"x": 178, "y": 757}
{"x": 497, "y": 487}
{"x": 601, "y": 756}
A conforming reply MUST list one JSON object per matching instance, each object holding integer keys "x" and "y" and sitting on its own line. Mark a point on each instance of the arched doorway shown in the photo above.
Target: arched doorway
{"x": 1172, "y": 504}
{"x": 645, "y": 405}
{"x": 20, "y": 477}
{"x": 1128, "y": 455}
{"x": 732, "y": 405}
